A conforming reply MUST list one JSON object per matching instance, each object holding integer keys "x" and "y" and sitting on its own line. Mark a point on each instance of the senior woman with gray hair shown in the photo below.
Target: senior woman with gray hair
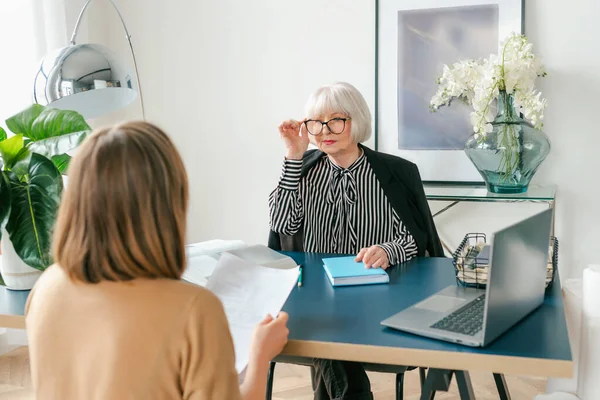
{"x": 346, "y": 198}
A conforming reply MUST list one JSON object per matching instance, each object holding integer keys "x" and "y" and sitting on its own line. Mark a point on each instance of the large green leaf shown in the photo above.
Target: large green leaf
{"x": 35, "y": 201}
{"x": 53, "y": 122}
{"x": 54, "y": 146}
{"x": 2, "y": 134}
{"x": 23, "y": 121}
{"x": 10, "y": 149}
{"x": 21, "y": 165}
{"x": 62, "y": 162}
{"x": 4, "y": 201}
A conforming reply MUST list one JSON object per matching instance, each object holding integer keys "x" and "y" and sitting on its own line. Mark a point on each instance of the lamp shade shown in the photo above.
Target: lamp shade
{"x": 87, "y": 78}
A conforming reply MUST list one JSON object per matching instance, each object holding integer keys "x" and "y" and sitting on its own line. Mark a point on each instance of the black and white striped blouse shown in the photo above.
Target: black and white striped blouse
{"x": 341, "y": 210}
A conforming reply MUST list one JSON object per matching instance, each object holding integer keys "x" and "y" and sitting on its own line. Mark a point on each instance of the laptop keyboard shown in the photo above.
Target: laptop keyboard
{"x": 467, "y": 320}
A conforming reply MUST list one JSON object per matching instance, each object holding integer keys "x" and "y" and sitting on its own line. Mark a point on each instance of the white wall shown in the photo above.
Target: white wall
{"x": 566, "y": 34}
{"x": 219, "y": 76}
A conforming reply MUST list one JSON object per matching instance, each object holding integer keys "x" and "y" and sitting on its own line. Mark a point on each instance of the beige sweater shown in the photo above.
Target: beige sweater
{"x": 144, "y": 339}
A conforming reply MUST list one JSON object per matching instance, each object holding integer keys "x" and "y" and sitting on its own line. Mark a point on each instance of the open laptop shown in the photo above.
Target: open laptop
{"x": 515, "y": 287}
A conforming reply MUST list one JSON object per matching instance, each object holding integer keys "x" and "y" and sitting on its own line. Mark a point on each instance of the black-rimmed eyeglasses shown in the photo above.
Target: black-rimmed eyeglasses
{"x": 335, "y": 125}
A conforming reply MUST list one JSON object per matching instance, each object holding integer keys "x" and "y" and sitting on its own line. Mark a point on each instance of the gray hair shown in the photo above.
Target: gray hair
{"x": 342, "y": 97}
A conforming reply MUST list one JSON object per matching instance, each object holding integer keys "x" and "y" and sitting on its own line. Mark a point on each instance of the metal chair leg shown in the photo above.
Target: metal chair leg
{"x": 400, "y": 386}
{"x": 422, "y": 373}
{"x": 270, "y": 378}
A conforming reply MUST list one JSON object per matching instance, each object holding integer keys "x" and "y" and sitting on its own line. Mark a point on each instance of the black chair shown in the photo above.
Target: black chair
{"x": 382, "y": 368}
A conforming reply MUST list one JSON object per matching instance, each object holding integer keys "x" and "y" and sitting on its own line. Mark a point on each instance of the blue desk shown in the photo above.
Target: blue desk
{"x": 344, "y": 324}
{"x": 12, "y": 308}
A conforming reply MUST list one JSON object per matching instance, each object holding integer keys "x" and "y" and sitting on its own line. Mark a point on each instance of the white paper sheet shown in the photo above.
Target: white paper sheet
{"x": 200, "y": 268}
{"x": 249, "y": 292}
{"x": 212, "y": 247}
{"x": 202, "y": 258}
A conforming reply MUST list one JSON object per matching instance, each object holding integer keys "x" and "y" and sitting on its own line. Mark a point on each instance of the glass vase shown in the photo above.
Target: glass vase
{"x": 509, "y": 155}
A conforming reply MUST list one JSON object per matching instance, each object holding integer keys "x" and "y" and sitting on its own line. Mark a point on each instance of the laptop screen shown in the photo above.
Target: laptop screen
{"x": 517, "y": 274}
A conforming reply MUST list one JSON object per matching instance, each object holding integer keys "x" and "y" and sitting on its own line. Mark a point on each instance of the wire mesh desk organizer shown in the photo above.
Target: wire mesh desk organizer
{"x": 472, "y": 258}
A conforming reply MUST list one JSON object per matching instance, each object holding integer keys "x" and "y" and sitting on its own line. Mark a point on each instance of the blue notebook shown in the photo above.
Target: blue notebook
{"x": 344, "y": 271}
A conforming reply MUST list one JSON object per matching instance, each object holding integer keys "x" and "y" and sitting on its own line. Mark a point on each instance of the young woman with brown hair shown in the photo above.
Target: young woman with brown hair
{"x": 112, "y": 319}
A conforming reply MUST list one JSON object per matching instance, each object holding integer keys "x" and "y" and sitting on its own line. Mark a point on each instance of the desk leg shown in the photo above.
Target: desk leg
{"x": 427, "y": 391}
{"x": 463, "y": 380}
{"x": 502, "y": 386}
{"x": 437, "y": 379}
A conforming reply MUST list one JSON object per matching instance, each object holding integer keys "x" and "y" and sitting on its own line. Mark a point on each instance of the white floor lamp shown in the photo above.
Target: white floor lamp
{"x": 87, "y": 78}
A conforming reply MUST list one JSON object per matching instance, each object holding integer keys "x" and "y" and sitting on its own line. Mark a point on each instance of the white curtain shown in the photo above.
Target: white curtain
{"x": 29, "y": 29}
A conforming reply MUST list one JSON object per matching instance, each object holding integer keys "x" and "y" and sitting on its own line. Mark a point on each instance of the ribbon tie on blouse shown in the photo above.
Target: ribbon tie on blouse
{"x": 342, "y": 185}
{"x": 342, "y": 194}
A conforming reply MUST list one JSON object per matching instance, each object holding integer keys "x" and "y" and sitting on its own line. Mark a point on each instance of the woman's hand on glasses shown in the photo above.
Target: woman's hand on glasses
{"x": 294, "y": 136}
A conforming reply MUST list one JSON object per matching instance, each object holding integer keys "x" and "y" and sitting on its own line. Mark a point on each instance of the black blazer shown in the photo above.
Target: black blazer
{"x": 402, "y": 185}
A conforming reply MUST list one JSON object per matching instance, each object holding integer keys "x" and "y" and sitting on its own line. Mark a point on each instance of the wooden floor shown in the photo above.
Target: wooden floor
{"x": 15, "y": 380}
{"x": 291, "y": 382}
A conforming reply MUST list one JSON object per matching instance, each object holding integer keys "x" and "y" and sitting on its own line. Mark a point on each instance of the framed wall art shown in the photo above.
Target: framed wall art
{"x": 415, "y": 38}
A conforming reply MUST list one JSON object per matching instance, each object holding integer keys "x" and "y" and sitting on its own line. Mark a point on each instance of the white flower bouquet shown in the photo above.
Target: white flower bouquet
{"x": 505, "y": 148}
{"x": 479, "y": 82}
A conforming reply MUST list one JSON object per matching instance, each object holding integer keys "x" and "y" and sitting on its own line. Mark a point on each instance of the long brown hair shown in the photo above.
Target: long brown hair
{"x": 123, "y": 214}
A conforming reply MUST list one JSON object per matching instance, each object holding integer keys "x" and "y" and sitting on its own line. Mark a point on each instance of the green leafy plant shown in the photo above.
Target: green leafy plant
{"x": 32, "y": 163}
